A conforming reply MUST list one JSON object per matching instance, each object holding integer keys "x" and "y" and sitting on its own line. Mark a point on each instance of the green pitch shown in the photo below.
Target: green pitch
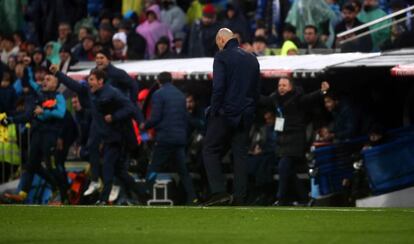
{"x": 38, "y": 224}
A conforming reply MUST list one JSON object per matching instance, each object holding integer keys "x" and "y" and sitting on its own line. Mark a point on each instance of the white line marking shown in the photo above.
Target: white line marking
{"x": 228, "y": 208}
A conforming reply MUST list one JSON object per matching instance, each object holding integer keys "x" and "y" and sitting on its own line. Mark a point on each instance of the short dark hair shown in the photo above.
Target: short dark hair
{"x": 165, "y": 77}
{"x": 311, "y": 27}
{"x": 260, "y": 39}
{"x": 289, "y": 28}
{"x": 332, "y": 95}
{"x": 348, "y": 6}
{"x": 98, "y": 73}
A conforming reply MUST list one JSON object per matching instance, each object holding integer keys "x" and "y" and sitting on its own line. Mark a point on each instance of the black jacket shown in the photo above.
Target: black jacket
{"x": 291, "y": 142}
{"x": 8, "y": 99}
{"x": 236, "y": 84}
{"x": 169, "y": 116}
{"x": 363, "y": 44}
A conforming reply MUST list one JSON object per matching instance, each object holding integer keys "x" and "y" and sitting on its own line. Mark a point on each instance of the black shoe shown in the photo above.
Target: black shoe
{"x": 219, "y": 199}
{"x": 282, "y": 203}
{"x": 102, "y": 203}
{"x": 193, "y": 202}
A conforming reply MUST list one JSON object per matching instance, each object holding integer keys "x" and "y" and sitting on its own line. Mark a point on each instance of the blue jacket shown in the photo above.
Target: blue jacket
{"x": 169, "y": 116}
{"x": 108, "y": 100}
{"x": 54, "y": 109}
{"x": 236, "y": 85}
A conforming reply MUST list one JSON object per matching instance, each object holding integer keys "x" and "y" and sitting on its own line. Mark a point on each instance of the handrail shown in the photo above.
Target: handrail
{"x": 372, "y": 31}
{"x": 371, "y": 23}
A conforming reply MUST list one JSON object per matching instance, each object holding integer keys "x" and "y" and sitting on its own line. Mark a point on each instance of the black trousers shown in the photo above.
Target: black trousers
{"x": 220, "y": 136}
{"x": 161, "y": 154}
{"x": 115, "y": 164}
{"x": 42, "y": 148}
{"x": 290, "y": 188}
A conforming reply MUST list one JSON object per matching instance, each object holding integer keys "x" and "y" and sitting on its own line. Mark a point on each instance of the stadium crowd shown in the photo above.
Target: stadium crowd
{"x": 101, "y": 117}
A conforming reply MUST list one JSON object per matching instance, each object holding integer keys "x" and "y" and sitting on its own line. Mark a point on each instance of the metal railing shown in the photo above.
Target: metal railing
{"x": 374, "y": 22}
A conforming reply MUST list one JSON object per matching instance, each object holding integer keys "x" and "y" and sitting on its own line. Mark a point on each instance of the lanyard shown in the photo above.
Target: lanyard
{"x": 279, "y": 112}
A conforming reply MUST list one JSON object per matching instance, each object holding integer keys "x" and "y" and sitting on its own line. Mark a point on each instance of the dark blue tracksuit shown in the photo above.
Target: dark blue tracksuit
{"x": 94, "y": 136}
{"x": 236, "y": 78}
{"x": 109, "y": 100}
{"x": 45, "y": 130}
{"x": 169, "y": 118}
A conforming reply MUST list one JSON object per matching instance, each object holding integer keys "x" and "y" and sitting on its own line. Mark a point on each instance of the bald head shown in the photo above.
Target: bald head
{"x": 223, "y": 36}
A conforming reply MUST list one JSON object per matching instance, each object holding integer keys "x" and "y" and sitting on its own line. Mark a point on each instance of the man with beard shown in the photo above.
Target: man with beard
{"x": 202, "y": 34}
{"x": 371, "y": 12}
{"x": 350, "y": 21}
{"x": 290, "y": 102}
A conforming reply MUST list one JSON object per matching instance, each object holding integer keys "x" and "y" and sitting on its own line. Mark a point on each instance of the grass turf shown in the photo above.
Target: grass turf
{"x": 42, "y": 224}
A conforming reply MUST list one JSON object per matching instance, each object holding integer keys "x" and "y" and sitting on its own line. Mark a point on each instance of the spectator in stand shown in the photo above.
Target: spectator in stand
{"x": 116, "y": 20}
{"x": 84, "y": 51}
{"x": 12, "y": 62}
{"x": 272, "y": 14}
{"x": 289, "y": 49}
{"x": 66, "y": 59}
{"x": 83, "y": 32}
{"x": 235, "y": 21}
{"x": 312, "y": 41}
{"x": 52, "y": 52}
{"x": 345, "y": 119}
{"x": 135, "y": 42}
{"x": 162, "y": 49}
{"x": 105, "y": 35}
{"x": 402, "y": 34}
{"x": 357, "y": 5}
{"x": 194, "y": 12}
{"x": 289, "y": 34}
{"x": 119, "y": 42}
{"x": 172, "y": 15}
{"x": 9, "y": 48}
{"x": 260, "y": 47}
{"x": 178, "y": 45}
{"x": 371, "y": 12}
{"x": 203, "y": 33}
{"x": 153, "y": 29}
{"x": 350, "y": 21}
{"x": 65, "y": 35}
{"x": 39, "y": 59}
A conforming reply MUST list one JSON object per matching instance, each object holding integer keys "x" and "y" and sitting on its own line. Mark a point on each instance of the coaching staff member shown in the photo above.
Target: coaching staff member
{"x": 236, "y": 77}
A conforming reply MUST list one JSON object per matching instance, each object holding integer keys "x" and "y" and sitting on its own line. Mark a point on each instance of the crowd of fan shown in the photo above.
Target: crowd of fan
{"x": 65, "y": 32}
{"x": 164, "y": 29}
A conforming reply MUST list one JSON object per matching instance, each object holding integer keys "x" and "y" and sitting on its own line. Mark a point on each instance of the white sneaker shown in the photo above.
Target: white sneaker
{"x": 114, "y": 193}
{"x": 93, "y": 187}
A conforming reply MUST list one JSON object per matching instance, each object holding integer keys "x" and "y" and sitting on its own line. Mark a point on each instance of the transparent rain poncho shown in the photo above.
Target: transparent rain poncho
{"x": 311, "y": 12}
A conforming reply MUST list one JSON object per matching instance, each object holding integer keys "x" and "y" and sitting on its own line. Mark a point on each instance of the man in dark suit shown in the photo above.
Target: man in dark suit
{"x": 236, "y": 78}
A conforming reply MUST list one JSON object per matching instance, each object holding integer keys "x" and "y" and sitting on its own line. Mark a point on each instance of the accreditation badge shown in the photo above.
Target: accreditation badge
{"x": 279, "y": 124}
